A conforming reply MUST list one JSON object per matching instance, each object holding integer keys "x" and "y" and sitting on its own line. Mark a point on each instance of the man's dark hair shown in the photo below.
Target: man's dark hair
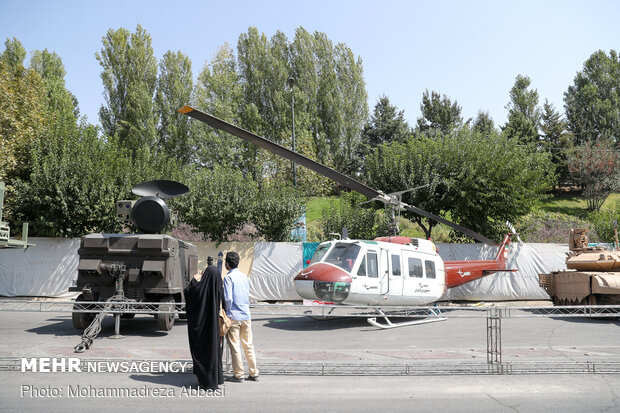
{"x": 232, "y": 259}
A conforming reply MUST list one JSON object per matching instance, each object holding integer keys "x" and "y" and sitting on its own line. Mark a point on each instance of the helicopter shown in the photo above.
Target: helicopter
{"x": 387, "y": 271}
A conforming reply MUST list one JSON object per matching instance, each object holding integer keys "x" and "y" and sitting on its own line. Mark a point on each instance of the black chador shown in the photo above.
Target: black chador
{"x": 202, "y": 303}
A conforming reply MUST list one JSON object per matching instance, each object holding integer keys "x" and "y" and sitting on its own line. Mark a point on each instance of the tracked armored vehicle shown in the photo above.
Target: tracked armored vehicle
{"x": 592, "y": 276}
{"x": 144, "y": 267}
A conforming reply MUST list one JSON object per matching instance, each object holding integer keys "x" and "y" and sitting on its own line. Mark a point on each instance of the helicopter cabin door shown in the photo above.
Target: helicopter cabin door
{"x": 395, "y": 273}
{"x": 367, "y": 279}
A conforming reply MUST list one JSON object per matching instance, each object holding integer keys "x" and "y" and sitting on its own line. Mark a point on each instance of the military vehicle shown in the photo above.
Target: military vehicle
{"x": 5, "y": 231}
{"x": 149, "y": 266}
{"x": 592, "y": 276}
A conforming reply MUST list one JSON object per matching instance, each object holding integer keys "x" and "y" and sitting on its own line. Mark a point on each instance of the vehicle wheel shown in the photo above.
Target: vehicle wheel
{"x": 165, "y": 320}
{"x": 81, "y": 320}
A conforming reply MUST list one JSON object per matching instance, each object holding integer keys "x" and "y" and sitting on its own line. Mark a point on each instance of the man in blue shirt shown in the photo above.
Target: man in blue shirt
{"x": 237, "y": 303}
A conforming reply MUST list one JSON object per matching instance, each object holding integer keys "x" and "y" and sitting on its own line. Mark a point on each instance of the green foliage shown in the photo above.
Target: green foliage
{"x": 253, "y": 92}
{"x": 483, "y": 124}
{"x": 277, "y": 208}
{"x": 361, "y": 223}
{"x": 129, "y": 78}
{"x": 23, "y": 113}
{"x": 592, "y": 103}
{"x": 523, "y": 112}
{"x": 74, "y": 183}
{"x": 220, "y": 201}
{"x": 386, "y": 124}
{"x": 603, "y": 223}
{"x": 556, "y": 139}
{"x": 480, "y": 192}
{"x": 595, "y": 167}
{"x": 439, "y": 113}
{"x": 552, "y": 227}
{"x": 174, "y": 90}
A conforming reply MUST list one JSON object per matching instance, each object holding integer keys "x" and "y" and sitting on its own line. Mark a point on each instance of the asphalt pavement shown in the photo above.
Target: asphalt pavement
{"x": 309, "y": 365}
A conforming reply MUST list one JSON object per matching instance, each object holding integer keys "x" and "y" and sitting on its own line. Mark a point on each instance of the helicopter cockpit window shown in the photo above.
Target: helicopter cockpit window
{"x": 319, "y": 253}
{"x": 415, "y": 267}
{"x": 373, "y": 264}
{"x": 343, "y": 255}
{"x": 395, "y": 264}
{"x": 430, "y": 269}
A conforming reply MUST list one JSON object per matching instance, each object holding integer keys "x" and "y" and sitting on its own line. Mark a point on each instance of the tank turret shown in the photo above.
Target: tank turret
{"x": 592, "y": 276}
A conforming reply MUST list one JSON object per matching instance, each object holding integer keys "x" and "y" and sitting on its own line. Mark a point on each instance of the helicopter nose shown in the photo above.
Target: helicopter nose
{"x": 323, "y": 282}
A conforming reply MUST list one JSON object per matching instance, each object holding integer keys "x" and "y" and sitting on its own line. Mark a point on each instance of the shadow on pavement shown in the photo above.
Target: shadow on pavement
{"x": 145, "y": 326}
{"x": 168, "y": 379}
{"x": 308, "y": 324}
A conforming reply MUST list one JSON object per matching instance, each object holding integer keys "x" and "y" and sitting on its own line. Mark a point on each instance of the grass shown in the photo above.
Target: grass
{"x": 316, "y": 205}
{"x": 572, "y": 203}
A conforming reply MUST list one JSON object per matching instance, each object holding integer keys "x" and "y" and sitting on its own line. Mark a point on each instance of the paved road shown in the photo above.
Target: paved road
{"x": 335, "y": 343}
{"x": 523, "y": 393}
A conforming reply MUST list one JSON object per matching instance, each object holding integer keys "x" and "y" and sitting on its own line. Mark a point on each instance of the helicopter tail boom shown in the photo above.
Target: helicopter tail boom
{"x": 461, "y": 272}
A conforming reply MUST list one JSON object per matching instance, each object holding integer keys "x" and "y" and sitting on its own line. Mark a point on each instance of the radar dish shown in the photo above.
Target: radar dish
{"x": 160, "y": 188}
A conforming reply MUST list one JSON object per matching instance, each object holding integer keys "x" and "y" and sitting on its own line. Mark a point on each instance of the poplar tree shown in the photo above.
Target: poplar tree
{"x": 129, "y": 78}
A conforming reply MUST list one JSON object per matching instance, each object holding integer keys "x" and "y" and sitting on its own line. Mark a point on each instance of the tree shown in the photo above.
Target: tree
{"x": 220, "y": 201}
{"x": 484, "y": 124}
{"x": 361, "y": 223}
{"x": 23, "y": 113}
{"x": 129, "y": 78}
{"x": 52, "y": 71}
{"x": 219, "y": 92}
{"x": 595, "y": 167}
{"x": 74, "y": 183}
{"x": 276, "y": 210}
{"x": 556, "y": 139}
{"x": 478, "y": 192}
{"x": 592, "y": 103}
{"x": 254, "y": 92}
{"x": 439, "y": 113}
{"x": 386, "y": 124}
{"x": 523, "y": 112}
{"x": 174, "y": 90}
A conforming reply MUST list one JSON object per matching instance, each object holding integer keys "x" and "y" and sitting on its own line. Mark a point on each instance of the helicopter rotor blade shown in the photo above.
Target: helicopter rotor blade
{"x": 319, "y": 168}
{"x": 280, "y": 150}
{"x": 450, "y": 224}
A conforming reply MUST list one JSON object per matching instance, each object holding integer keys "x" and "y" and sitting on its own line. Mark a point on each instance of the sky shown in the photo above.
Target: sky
{"x": 469, "y": 50}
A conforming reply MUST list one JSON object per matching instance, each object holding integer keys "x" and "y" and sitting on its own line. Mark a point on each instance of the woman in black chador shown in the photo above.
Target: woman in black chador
{"x": 203, "y": 298}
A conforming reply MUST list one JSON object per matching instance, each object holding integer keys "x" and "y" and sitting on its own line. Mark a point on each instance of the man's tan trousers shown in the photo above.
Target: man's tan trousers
{"x": 240, "y": 334}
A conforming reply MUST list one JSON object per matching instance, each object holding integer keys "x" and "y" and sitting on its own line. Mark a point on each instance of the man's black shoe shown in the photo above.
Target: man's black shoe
{"x": 253, "y": 378}
{"x": 234, "y": 379}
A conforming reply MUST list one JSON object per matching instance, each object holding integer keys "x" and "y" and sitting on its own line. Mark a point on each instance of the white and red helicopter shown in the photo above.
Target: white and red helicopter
{"x": 386, "y": 271}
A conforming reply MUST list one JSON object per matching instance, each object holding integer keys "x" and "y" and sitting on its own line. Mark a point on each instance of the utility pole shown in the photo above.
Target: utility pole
{"x": 291, "y": 83}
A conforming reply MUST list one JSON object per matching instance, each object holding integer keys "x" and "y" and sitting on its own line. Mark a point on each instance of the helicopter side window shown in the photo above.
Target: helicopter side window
{"x": 430, "y": 269}
{"x": 395, "y": 264}
{"x": 343, "y": 255}
{"x": 373, "y": 264}
{"x": 415, "y": 267}
{"x": 362, "y": 270}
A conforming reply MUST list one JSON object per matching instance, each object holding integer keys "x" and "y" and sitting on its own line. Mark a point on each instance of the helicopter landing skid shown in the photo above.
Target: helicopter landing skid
{"x": 388, "y": 324}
